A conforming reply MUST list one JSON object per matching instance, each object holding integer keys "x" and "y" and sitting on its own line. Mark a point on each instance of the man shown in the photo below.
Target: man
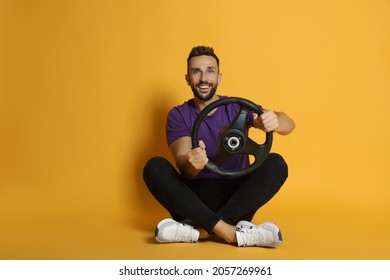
{"x": 200, "y": 202}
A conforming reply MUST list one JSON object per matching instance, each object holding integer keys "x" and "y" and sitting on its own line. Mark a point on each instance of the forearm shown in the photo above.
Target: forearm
{"x": 286, "y": 124}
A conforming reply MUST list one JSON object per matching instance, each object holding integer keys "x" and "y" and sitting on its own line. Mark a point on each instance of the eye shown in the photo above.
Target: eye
{"x": 211, "y": 71}
{"x": 195, "y": 72}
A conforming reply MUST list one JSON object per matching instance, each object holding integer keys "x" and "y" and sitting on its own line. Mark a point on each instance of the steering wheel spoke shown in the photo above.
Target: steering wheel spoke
{"x": 252, "y": 148}
{"x": 220, "y": 156}
{"x": 239, "y": 121}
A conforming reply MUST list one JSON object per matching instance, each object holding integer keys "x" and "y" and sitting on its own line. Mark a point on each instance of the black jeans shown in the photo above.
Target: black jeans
{"x": 205, "y": 202}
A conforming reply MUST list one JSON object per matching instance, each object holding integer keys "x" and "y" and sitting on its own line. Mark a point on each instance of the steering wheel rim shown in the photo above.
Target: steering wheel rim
{"x": 234, "y": 138}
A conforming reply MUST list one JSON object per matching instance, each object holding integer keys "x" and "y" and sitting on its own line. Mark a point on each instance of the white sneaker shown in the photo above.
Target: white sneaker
{"x": 168, "y": 231}
{"x": 265, "y": 235}
{"x": 244, "y": 224}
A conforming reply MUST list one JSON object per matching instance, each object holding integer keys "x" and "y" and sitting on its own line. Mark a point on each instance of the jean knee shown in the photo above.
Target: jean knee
{"x": 154, "y": 166}
{"x": 278, "y": 162}
{"x": 277, "y": 159}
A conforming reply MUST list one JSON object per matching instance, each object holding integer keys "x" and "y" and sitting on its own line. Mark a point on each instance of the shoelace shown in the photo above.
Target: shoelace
{"x": 183, "y": 233}
{"x": 254, "y": 236}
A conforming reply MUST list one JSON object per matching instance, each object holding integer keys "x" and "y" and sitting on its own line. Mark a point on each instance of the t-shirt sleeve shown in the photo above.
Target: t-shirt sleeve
{"x": 176, "y": 126}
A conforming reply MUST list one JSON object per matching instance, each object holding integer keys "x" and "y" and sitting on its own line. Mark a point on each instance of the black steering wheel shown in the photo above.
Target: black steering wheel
{"x": 234, "y": 138}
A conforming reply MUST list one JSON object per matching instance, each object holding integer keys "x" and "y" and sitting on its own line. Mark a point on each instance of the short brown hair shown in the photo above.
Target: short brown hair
{"x": 202, "y": 50}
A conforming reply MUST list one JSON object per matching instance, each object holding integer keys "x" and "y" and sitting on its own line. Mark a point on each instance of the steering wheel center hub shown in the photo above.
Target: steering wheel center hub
{"x": 233, "y": 141}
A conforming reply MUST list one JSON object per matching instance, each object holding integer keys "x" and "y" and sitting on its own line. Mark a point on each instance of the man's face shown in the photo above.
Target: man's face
{"x": 203, "y": 76}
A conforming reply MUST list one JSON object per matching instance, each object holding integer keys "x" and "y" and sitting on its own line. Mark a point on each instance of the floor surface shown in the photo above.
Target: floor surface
{"x": 310, "y": 231}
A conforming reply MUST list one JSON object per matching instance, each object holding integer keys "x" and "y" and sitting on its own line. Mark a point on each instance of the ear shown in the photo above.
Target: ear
{"x": 187, "y": 79}
{"x": 219, "y": 77}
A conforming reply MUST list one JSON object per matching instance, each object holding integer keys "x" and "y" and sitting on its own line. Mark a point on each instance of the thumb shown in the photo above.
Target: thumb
{"x": 202, "y": 145}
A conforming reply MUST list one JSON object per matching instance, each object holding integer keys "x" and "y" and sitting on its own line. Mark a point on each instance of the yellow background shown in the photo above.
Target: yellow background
{"x": 85, "y": 87}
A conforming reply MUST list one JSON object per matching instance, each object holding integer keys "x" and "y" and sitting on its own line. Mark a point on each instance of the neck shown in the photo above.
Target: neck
{"x": 201, "y": 104}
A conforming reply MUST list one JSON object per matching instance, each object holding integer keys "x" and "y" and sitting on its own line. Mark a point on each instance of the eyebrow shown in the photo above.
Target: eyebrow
{"x": 208, "y": 68}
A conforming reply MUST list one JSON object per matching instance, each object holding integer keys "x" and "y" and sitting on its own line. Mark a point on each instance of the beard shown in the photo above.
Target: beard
{"x": 199, "y": 95}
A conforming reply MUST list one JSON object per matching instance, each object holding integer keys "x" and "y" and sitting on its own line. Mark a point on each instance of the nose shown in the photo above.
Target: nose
{"x": 203, "y": 77}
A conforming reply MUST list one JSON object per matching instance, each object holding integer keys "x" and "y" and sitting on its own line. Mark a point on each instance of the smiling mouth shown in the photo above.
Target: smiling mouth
{"x": 204, "y": 87}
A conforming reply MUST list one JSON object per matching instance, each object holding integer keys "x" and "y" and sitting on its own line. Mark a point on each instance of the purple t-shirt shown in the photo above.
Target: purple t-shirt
{"x": 181, "y": 120}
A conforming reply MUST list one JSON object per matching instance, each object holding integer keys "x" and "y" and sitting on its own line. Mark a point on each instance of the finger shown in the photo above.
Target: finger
{"x": 268, "y": 116}
{"x": 198, "y": 158}
{"x": 201, "y": 144}
{"x": 255, "y": 116}
{"x": 195, "y": 153}
{"x": 266, "y": 113}
{"x": 271, "y": 124}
